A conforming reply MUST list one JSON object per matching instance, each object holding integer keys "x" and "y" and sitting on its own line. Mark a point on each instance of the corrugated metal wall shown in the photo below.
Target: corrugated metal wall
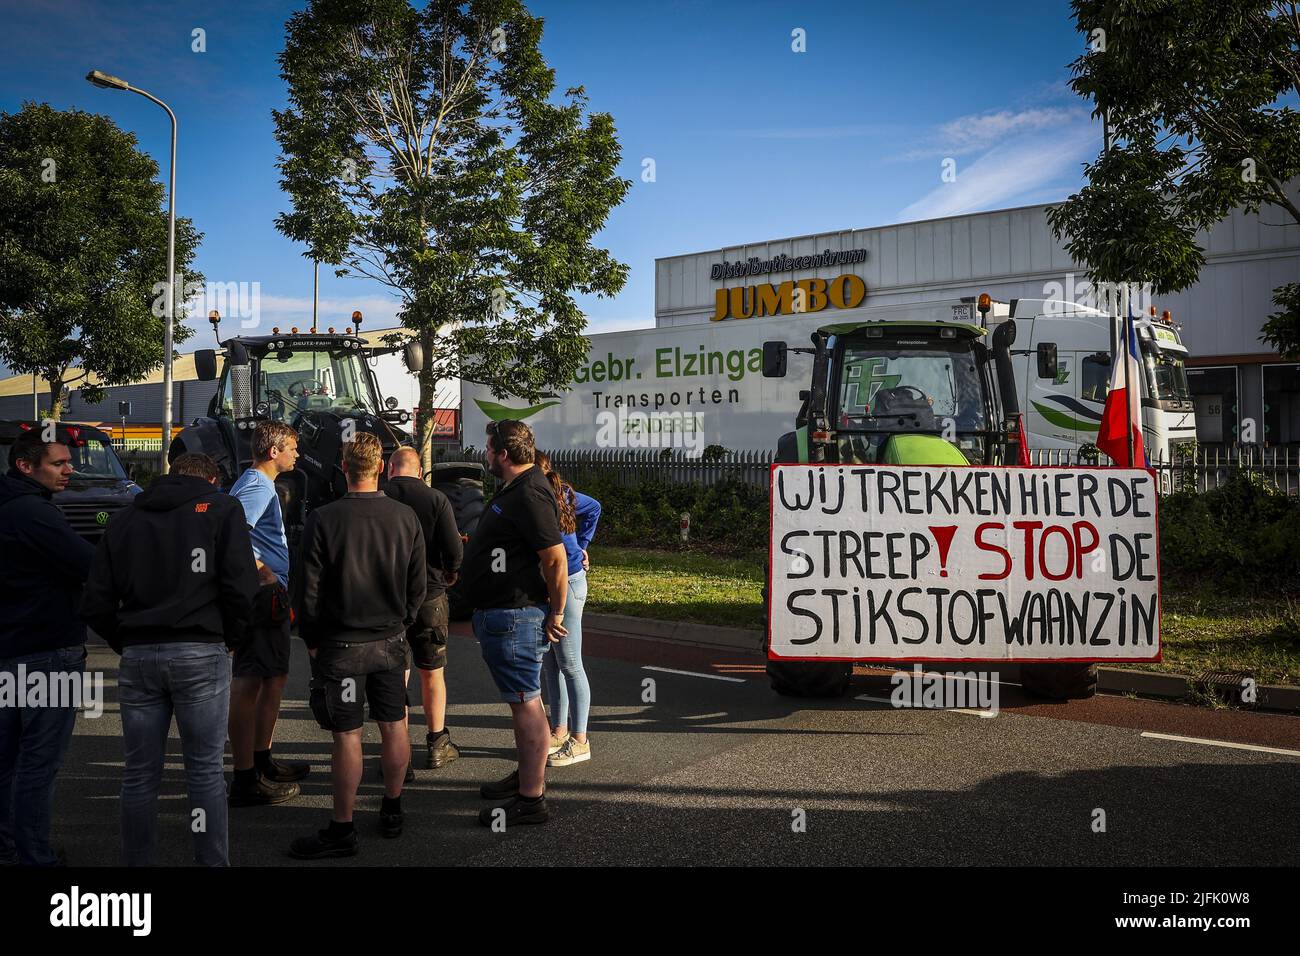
{"x": 189, "y": 400}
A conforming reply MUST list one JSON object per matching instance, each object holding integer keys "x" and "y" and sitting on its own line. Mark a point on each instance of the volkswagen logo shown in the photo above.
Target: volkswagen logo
{"x": 101, "y": 517}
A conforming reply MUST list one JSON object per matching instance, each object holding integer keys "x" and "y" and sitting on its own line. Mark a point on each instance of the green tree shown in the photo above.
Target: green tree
{"x": 1195, "y": 95}
{"x": 83, "y": 252}
{"x": 422, "y": 149}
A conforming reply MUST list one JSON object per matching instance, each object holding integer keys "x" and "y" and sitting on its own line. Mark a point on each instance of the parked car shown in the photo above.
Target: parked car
{"x": 100, "y": 485}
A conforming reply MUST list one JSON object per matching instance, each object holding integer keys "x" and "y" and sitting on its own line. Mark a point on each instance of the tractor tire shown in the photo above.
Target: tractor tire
{"x": 809, "y": 678}
{"x": 1059, "y": 681}
{"x": 466, "y": 497}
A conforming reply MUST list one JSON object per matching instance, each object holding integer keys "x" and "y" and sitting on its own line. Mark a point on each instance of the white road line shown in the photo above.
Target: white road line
{"x": 1222, "y": 743}
{"x": 669, "y": 670}
{"x": 953, "y": 710}
{"x": 878, "y": 700}
{"x": 987, "y": 714}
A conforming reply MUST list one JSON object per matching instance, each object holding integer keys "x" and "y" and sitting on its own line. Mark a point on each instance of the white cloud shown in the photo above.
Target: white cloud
{"x": 1004, "y": 176}
{"x": 980, "y": 131}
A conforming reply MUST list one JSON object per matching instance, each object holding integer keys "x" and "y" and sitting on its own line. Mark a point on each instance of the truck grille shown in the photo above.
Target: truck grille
{"x": 85, "y": 517}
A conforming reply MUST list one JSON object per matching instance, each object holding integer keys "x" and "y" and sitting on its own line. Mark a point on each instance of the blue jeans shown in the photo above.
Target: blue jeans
{"x": 567, "y": 660}
{"x": 513, "y": 642}
{"x": 33, "y": 741}
{"x": 192, "y": 681}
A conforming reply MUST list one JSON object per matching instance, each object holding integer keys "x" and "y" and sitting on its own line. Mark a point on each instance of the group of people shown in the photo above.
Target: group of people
{"x": 192, "y": 587}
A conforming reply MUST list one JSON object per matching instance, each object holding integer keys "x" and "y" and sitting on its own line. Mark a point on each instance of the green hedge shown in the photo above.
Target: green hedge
{"x": 1245, "y": 533}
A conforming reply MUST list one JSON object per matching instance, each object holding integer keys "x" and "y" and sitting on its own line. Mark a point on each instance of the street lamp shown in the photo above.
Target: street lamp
{"x": 108, "y": 82}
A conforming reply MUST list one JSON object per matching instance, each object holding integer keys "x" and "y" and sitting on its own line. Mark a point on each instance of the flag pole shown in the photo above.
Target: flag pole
{"x": 1128, "y": 371}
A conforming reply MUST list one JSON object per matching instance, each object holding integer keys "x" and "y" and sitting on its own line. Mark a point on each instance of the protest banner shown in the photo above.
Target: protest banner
{"x": 937, "y": 563}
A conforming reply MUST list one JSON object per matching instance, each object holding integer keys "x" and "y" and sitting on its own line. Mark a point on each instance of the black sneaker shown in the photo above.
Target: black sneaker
{"x": 278, "y": 772}
{"x": 441, "y": 750}
{"x": 390, "y": 824}
{"x": 502, "y": 789}
{"x": 322, "y": 847}
{"x": 263, "y": 793}
{"x": 517, "y": 811}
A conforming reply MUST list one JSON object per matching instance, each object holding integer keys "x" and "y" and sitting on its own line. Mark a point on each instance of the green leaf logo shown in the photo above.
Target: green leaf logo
{"x": 500, "y": 413}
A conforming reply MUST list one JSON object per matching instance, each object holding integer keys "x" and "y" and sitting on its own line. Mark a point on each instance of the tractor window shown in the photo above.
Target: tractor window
{"x": 884, "y": 389}
{"x": 309, "y": 380}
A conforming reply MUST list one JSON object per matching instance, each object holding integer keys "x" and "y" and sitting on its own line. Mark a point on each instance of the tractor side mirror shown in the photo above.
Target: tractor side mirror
{"x": 413, "y": 356}
{"x": 774, "y": 359}
{"x": 205, "y": 365}
{"x": 1047, "y": 360}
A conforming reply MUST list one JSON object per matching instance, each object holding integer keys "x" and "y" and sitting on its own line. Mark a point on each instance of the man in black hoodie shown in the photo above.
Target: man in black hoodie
{"x": 43, "y": 563}
{"x": 171, "y": 590}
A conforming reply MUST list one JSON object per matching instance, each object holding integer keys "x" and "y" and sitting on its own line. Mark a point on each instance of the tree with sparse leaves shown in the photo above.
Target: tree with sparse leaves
{"x": 422, "y": 149}
{"x": 83, "y": 253}
{"x": 1195, "y": 94}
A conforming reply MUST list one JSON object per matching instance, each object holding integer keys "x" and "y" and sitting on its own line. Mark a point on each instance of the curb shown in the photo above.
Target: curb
{"x": 1110, "y": 680}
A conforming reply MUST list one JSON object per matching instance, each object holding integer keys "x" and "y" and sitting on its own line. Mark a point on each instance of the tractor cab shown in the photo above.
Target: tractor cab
{"x": 902, "y": 392}
{"x": 321, "y": 385}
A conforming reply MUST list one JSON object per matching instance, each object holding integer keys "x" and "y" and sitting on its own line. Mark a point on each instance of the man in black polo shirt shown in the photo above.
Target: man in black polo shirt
{"x": 516, "y": 576}
{"x": 428, "y": 635}
{"x": 361, "y": 585}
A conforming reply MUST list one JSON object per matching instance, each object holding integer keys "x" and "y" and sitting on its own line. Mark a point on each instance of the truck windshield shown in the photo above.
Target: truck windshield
{"x": 911, "y": 389}
{"x": 1166, "y": 373}
{"x": 314, "y": 380}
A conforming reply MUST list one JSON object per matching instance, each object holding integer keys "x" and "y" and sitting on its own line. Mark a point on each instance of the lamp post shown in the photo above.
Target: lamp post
{"x": 107, "y": 82}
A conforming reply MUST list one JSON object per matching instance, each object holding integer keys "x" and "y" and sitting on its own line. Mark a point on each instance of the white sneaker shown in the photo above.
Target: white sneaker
{"x": 557, "y": 742}
{"x": 571, "y": 752}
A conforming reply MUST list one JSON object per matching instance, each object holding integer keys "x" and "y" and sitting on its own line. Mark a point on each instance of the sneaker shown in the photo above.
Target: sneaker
{"x": 390, "y": 824}
{"x": 321, "y": 847}
{"x": 557, "y": 742}
{"x": 441, "y": 750}
{"x": 277, "y": 772}
{"x": 502, "y": 789}
{"x": 517, "y": 811}
{"x": 572, "y": 752}
{"x": 264, "y": 793}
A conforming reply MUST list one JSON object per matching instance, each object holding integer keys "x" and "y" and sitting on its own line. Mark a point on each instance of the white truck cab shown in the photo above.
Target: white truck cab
{"x": 1063, "y": 357}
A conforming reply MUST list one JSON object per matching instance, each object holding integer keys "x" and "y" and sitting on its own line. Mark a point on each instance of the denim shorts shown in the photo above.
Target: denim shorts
{"x": 513, "y": 642}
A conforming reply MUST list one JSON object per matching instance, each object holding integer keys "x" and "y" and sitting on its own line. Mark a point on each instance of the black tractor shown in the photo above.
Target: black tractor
{"x": 320, "y": 384}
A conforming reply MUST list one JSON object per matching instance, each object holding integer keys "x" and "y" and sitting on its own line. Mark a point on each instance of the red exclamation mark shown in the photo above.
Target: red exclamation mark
{"x": 943, "y": 538}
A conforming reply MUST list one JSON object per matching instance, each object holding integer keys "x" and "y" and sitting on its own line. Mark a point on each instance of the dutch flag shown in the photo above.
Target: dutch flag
{"x": 1122, "y": 413}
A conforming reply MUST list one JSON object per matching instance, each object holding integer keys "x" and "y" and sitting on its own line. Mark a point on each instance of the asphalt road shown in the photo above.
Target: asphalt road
{"x": 720, "y": 772}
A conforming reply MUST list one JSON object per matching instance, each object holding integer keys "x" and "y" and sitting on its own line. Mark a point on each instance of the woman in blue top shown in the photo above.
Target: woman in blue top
{"x": 579, "y": 515}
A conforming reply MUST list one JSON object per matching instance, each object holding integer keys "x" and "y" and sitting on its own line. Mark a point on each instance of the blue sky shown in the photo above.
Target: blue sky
{"x": 750, "y": 140}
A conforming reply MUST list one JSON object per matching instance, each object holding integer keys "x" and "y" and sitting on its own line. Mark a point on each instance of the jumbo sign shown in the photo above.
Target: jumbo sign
{"x": 790, "y": 297}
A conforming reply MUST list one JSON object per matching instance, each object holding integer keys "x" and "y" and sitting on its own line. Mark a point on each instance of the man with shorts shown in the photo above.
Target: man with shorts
{"x": 261, "y": 665}
{"x": 516, "y": 575}
{"x": 428, "y": 635}
{"x": 360, "y": 587}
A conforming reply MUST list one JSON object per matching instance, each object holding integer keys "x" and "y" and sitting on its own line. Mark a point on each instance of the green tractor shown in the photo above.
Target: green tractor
{"x": 907, "y": 391}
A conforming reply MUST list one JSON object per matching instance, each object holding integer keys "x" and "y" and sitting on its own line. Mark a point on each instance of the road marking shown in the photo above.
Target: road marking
{"x": 669, "y": 670}
{"x": 978, "y": 713}
{"x": 878, "y": 700}
{"x": 1222, "y": 743}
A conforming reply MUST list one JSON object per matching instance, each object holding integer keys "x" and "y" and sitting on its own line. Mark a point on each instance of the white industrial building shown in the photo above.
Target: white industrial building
{"x": 1011, "y": 254}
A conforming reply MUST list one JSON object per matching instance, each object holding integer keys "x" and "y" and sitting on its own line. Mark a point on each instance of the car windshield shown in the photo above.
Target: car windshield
{"x": 1166, "y": 373}
{"x": 935, "y": 388}
{"x": 91, "y": 459}
{"x": 313, "y": 380}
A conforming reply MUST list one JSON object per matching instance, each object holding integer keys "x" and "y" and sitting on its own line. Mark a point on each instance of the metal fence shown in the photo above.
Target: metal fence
{"x": 1206, "y": 469}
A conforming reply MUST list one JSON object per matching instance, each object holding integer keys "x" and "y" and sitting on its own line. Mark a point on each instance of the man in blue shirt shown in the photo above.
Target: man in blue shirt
{"x": 261, "y": 665}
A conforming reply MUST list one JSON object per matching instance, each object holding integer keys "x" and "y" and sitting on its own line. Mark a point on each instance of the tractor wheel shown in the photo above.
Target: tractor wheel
{"x": 1059, "y": 681}
{"x": 810, "y": 678}
{"x": 466, "y": 497}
